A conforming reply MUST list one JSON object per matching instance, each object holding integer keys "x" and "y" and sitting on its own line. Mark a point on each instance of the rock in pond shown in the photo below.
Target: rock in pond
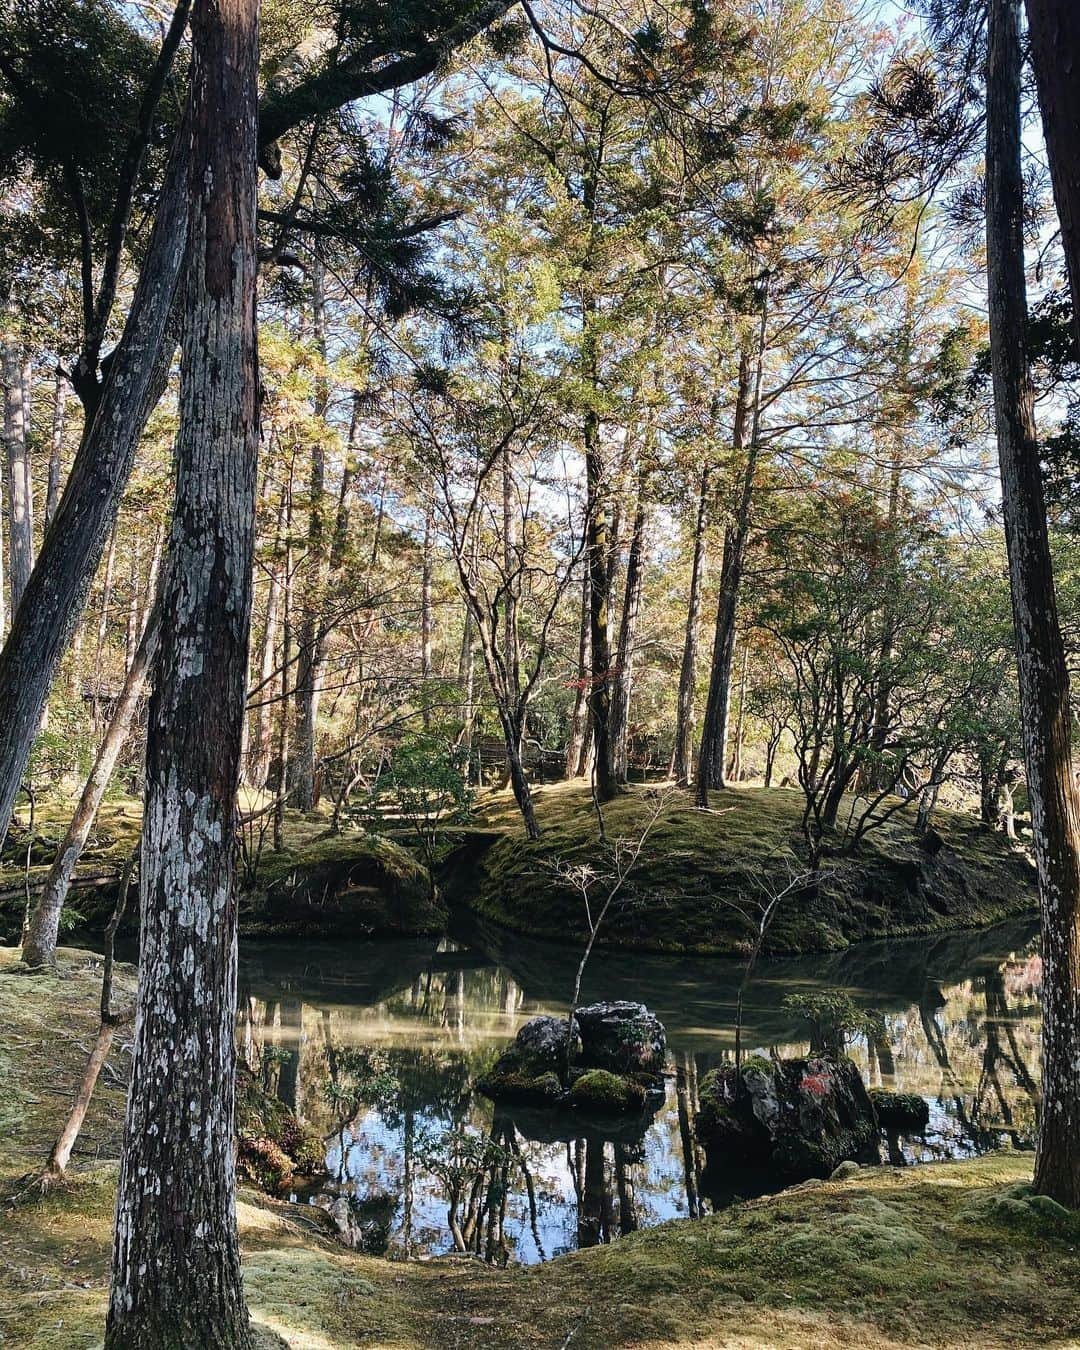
{"x": 904, "y": 1111}
{"x": 621, "y": 1036}
{"x": 545, "y": 1039}
{"x": 795, "y": 1118}
{"x": 616, "y": 1058}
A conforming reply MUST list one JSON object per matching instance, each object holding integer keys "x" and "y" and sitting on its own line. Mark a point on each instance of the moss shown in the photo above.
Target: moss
{"x": 1018, "y": 1207}
{"x": 689, "y": 890}
{"x": 599, "y": 1090}
{"x": 890, "y": 1258}
{"x": 523, "y": 1079}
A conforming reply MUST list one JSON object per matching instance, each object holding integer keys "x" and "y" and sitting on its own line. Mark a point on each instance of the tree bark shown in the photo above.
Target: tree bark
{"x": 579, "y": 721}
{"x": 1054, "y": 33}
{"x": 20, "y": 494}
{"x": 634, "y": 584}
{"x": 176, "y": 1262}
{"x": 684, "y": 724}
{"x": 1044, "y": 682}
{"x": 39, "y": 948}
{"x": 56, "y": 448}
{"x": 714, "y": 727}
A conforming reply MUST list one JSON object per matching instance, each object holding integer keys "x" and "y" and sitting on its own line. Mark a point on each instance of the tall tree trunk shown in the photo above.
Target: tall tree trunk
{"x": 20, "y": 493}
{"x": 262, "y": 749}
{"x": 714, "y": 727}
{"x": 684, "y": 724}
{"x": 1054, "y": 32}
{"x": 72, "y": 549}
{"x": 575, "y": 747}
{"x": 176, "y": 1261}
{"x": 56, "y": 448}
{"x": 635, "y": 579}
{"x": 310, "y": 632}
{"x": 39, "y": 949}
{"x": 1044, "y": 682}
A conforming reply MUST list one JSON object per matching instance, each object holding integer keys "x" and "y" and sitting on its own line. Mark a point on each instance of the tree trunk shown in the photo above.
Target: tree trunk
{"x": 56, "y": 448}
{"x": 714, "y": 727}
{"x": 176, "y": 1262}
{"x": 1054, "y": 33}
{"x": 684, "y": 725}
{"x": 310, "y": 635}
{"x": 1044, "y": 683}
{"x": 20, "y": 494}
{"x": 579, "y": 721}
{"x": 262, "y": 749}
{"x": 40, "y": 946}
{"x": 71, "y": 552}
{"x": 635, "y": 577}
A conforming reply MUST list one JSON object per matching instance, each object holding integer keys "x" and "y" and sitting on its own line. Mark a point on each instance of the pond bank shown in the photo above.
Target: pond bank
{"x": 944, "y": 1254}
{"x": 695, "y": 888}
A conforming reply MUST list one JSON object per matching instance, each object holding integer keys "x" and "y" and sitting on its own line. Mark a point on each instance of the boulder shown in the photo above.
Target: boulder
{"x": 795, "y": 1118}
{"x": 544, "y": 1038}
{"x": 621, "y": 1036}
{"x": 905, "y": 1112}
{"x": 615, "y": 1062}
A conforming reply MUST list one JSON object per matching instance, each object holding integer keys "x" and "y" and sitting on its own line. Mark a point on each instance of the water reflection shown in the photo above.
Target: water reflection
{"x": 379, "y": 1046}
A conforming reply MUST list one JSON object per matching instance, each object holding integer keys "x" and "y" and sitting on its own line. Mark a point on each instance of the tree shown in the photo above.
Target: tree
{"x": 176, "y": 1205}
{"x": 1054, "y": 35}
{"x": 1044, "y": 681}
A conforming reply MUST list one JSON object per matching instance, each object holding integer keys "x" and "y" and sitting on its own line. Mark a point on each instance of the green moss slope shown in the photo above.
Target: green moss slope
{"x": 694, "y": 888}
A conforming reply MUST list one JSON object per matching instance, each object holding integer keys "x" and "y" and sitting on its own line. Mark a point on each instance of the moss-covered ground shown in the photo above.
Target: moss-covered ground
{"x": 947, "y": 1255}
{"x": 703, "y": 875}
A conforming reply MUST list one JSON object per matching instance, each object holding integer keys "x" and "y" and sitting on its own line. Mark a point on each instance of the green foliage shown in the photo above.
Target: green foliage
{"x": 831, "y": 1014}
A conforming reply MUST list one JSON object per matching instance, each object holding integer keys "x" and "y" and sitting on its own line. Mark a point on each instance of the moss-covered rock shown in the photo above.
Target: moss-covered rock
{"x": 903, "y": 1111}
{"x": 601, "y": 1091}
{"x": 522, "y": 1079}
{"x": 794, "y": 1118}
{"x": 687, "y": 892}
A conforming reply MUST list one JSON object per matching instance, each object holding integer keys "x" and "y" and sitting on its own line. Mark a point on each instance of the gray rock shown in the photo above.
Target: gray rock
{"x": 797, "y": 1118}
{"x": 545, "y": 1039}
{"x": 621, "y": 1036}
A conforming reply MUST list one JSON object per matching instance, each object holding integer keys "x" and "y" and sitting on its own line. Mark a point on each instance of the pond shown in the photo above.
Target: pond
{"x": 379, "y": 1046}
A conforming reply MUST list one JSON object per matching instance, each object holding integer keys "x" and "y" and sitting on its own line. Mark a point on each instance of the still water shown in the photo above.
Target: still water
{"x": 379, "y": 1046}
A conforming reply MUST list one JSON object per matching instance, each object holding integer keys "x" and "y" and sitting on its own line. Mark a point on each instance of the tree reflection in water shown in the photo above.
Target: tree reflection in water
{"x": 380, "y": 1046}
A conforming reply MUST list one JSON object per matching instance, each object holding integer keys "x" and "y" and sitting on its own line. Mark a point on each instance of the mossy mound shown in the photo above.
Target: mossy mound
{"x": 341, "y": 886}
{"x": 351, "y": 884}
{"x": 1019, "y": 1207}
{"x": 694, "y": 889}
{"x": 601, "y": 1091}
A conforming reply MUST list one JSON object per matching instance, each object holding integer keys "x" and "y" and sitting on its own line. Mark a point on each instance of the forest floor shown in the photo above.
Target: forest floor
{"x": 946, "y": 1255}
{"x": 702, "y": 876}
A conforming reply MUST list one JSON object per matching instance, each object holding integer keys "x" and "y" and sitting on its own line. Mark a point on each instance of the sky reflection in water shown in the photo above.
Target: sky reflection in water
{"x": 961, "y": 1027}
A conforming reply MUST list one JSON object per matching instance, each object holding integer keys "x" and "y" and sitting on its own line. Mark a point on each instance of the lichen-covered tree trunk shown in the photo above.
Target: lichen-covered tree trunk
{"x": 56, "y": 591}
{"x": 176, "y": 1263}
{"x": 1044, "y": 682}
{"x": 39, "y": 949}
